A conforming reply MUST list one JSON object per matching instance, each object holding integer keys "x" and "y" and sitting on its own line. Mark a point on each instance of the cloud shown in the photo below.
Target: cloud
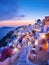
{"x": 8, "y": 9}
{"x": 20, "y": 17}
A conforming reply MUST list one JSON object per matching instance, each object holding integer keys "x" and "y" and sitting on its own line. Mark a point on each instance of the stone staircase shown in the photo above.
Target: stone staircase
{"x": 23, "y": 59}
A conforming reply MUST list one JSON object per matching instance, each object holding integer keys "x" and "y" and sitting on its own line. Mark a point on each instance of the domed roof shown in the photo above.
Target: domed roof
{"x": 38, "y": 20}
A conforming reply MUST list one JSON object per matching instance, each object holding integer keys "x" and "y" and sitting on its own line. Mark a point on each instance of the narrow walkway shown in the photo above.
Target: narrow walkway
{"x": 23, "y": 58}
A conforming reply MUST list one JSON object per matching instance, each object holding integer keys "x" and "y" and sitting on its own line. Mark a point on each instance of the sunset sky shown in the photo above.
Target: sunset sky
{"x": 18, "y": 12}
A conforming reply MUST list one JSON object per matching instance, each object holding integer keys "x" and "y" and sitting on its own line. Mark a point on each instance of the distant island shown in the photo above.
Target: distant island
{"x": 7, "y": 27}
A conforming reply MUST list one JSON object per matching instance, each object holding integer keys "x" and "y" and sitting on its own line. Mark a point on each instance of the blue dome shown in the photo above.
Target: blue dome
{"x": 38, "y": 20}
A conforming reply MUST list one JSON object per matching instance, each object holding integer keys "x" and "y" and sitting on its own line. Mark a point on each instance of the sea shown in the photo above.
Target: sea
{"x": 5, "y": 30}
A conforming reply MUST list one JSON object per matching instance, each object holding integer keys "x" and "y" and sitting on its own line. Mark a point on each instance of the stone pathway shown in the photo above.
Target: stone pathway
{"x": 23, "y": 58}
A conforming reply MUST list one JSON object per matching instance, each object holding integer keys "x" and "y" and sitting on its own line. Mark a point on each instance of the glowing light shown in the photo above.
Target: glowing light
{"x": 36, "y": 42}
{"x": 46, "y": 46}
{"x": 43, "y": 36}
{"x": 15, "y": 50}
{"x": 29, "y": 42}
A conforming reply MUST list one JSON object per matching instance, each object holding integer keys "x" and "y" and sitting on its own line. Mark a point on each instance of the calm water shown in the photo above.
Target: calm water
{"x": 4, "y": 31}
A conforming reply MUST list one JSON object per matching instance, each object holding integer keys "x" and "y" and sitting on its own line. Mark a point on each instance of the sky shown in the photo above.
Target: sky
{"x": 16, "y": 11}
{"x": 34, "y": 8}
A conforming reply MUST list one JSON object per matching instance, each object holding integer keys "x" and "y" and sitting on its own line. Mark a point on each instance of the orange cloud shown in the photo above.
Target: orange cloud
{"x": 17, "y": 22}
